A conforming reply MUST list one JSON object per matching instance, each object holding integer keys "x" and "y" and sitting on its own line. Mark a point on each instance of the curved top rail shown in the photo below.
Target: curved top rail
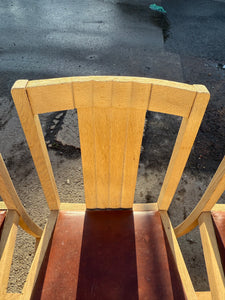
{"x": 164, "y": 96}
{"x": 208, "y": 200}
{"x": 12, "y": 201}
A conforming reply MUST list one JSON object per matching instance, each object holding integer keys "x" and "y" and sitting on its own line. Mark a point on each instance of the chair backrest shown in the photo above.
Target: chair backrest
{"x": 111, "y": 116}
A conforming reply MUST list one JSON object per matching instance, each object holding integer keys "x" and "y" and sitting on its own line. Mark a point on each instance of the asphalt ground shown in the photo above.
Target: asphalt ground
{"x": 55, "y": 39}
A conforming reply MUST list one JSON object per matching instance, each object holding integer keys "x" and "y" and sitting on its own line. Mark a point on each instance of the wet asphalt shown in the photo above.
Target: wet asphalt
{"x": 197, "y": 28}
{"x": 48, "y": 38}
{"x": 45, "y": 38}
{"x": 57, "y": 38}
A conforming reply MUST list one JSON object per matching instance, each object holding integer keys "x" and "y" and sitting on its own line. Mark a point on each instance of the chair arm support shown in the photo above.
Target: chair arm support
{"x": 12, "y": 201}
{"x": 208, "y": 200}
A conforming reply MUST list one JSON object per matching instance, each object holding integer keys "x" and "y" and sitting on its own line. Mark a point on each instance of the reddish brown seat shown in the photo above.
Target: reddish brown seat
{"x": 108, "y": 255}
{"x": 219, "y": 226}
{"x": 2, "y": 218}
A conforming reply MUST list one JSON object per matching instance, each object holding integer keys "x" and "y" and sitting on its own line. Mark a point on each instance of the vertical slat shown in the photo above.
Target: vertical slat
{"x": 87, "y": 142}
{"x": 111, "y": 135}
{"x": 102, "y": 121}
{"x": 136, "y": 120}
{"x": 117, "y": 149}
{"x": 83, "y": 102}
{"x": 185, "y": 139}
{"x": 133, "y": 147}
{"x": 212, "y": 257}
{"x": 102, "y": 99}
{"x": 35, "y": 139}
{"x": 120, "y": 112}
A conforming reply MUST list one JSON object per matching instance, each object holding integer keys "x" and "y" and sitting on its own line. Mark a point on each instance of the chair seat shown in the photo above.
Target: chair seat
{"x": 2, "y": 218}
{"x": 108, "y": 255}
{"x": 219, "y": 226}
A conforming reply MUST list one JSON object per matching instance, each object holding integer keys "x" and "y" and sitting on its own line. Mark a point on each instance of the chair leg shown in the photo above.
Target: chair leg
{"x": 174, "y": 246}
{"x": 7, "y": 245}
{"x": 39, "y": 255}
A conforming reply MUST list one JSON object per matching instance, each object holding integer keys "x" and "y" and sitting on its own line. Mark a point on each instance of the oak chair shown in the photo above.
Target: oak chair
{"x": 109, "y": 247}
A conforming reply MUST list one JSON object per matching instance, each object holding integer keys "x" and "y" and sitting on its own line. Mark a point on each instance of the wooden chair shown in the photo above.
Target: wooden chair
{"x": 109, "y": 247}
{"x": 211, "y": 220}
{"x": 12, "y": 214}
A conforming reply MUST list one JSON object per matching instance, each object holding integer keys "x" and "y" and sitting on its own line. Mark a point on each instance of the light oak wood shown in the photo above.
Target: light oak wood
{"x": 82, "y": 206}
{"x": 215, "y": 188}
{"x": 7, "y": 244}
{"x": 204, "y": 295}
{"x": 2, "y": 205}
{"x": 145, "y": 206}
{"x": 102, "y": 151}
{"x": 10, "y": 296}
{"x": 207, "y": 202}
{"x": 87, "y": 142}
{"x": 174, "y": 246}
{"x": 212, "y": 257}
{"x": 172, "y": 99}
{"x": 185, "y": 139}
{"x": 135, "y": 129}
{"x": 118, "y": 138}
{"x": 73, "y": 206}
{"x": 118, "y": 135}
{"x": 98, "y": 100}
{"x": 83, "y": 98}
{"x": 111, "y": 117}
{"x": 175, "y": 98}
{"x": 110, "y": 135}
{"x": 12, "y": 201}
{"x": 35, "y": 139}
{"x": 44, "y": 98}
{"x": 218, "y": 207}
{"x": 39, "y": 255}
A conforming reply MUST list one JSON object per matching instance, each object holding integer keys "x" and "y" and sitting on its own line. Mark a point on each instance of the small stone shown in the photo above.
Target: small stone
{"x": 67, "y": 181}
